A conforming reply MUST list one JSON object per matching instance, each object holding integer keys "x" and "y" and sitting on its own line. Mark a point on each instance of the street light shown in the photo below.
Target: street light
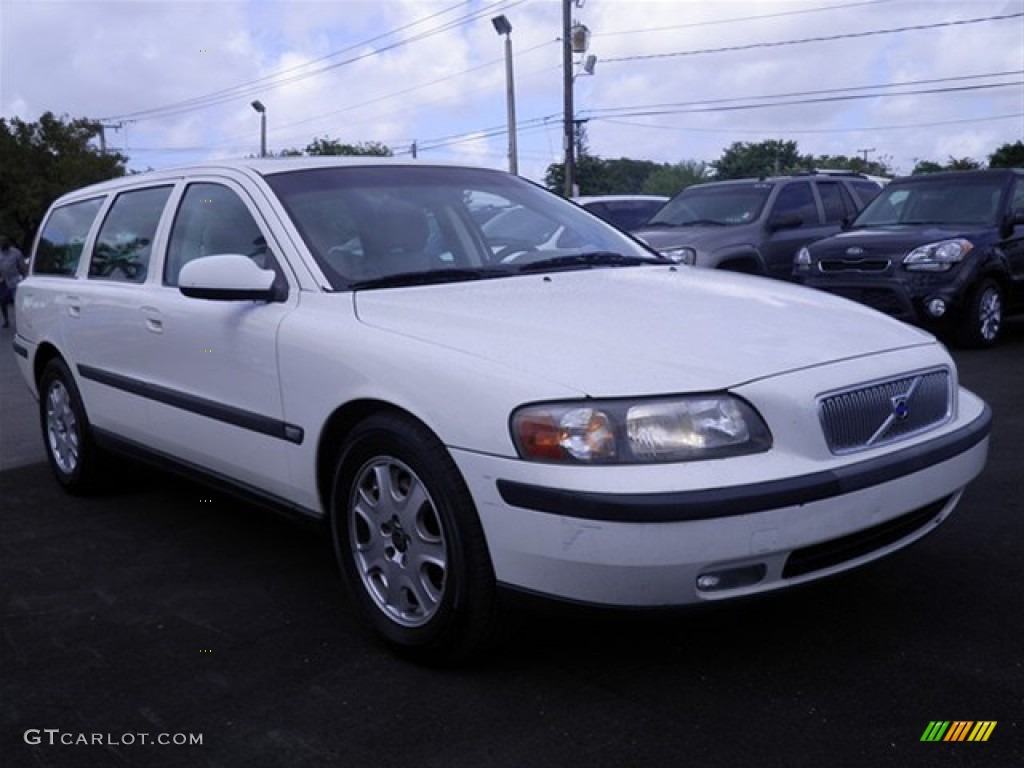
{"x": 503, "y": 27}
{"x": 258, "y": 106}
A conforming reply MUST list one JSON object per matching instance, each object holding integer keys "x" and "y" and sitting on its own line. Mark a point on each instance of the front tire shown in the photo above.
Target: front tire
{"x": 67, "y": 435}
{"x": 409, "y": 543}
{"x": 982, "y": 319}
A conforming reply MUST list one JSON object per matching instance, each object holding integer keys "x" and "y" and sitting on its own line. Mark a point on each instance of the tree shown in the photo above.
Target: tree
{"x": 766, "y": 158}
{"x": 597, "y": 176}
{"x": 42, "y": 161}
{"x": 963, "y": 164}
{"x": 672, "y": 179}
{"x": 1008, "y": 156}
{"x": 326, "y": 146}
{"x": 954, "y": 164}
{"x": 880, "y": 167}
{"x": 926, "y": 166}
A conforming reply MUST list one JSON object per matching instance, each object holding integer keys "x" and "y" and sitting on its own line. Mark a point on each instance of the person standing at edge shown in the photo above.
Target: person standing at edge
{"x": 12, "y": 269}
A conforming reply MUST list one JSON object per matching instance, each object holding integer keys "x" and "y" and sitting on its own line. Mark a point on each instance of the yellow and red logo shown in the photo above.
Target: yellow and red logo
{"x": 958, "y": 730}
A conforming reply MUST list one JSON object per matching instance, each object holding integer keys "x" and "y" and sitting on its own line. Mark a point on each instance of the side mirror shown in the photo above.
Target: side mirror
{"x": 1010, "y": 221}
{"x": 227, "y": 277}
{"x": 785, "y": 221}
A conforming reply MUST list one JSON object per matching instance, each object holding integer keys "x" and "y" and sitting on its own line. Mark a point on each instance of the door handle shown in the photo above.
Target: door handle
{"x": 73, "y": 306}
{"x": 154, "y": 323}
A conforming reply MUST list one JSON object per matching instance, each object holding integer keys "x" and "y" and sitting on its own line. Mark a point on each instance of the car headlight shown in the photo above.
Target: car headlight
{"x": 937, "y": 257}
{"x": 639, "y": 431}
{"x": 684, "y": 255}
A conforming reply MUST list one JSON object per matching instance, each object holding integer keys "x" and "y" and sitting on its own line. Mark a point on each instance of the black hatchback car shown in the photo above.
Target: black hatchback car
{"x": 944, "y": 251}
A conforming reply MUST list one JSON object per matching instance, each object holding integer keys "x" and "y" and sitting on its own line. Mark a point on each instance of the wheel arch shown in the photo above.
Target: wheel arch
{"x": 45, "y": 352}
{"x": 748, "y": 262}
{"x": 335, "y": 433}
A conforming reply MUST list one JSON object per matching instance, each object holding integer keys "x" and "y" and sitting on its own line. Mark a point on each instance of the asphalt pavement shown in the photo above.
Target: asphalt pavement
{"x": 164, "y": 612}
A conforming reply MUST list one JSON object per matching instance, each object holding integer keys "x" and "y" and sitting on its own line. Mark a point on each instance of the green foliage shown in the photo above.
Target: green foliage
{"x": 42, "y": 161}
{"x": 326, "y": 146}
{"x": 623, "y": 176}
{"x": 880, "y": 167}
{"x": 672, "y": 179}
{"x": 766, "y": 158}
{"x": 596, "y": 176}
{"x": 1008, "y": 156}
{"x": 954, "y": 164}
{"x": 963, "y": 164}
{"x": 926, "y": 166}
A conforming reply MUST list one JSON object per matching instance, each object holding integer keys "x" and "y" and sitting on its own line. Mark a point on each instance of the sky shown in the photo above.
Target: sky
{"x": 675, "y": 80}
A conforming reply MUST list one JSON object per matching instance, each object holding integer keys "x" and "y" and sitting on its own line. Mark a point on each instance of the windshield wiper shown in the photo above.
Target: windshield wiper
{"x": 694, "y": 223}
{"x": 703, "y": 223}
{"x": 428, "y": 277}
{"x": 589, "y": 259}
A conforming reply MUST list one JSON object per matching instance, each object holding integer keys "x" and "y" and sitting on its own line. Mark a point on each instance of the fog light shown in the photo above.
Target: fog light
{"x": 936, "y": 307}
{"x": 731, "y": 578}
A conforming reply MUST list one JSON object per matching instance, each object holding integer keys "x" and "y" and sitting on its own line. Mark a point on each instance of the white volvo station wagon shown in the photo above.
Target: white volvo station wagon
{"x": 582, "y": 421}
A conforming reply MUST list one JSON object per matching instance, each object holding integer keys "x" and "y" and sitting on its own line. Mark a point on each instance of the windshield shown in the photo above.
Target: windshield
{"x": 380, "y": 226}
{"x": 959, "y": 201}
{"x": 715, "y": 204}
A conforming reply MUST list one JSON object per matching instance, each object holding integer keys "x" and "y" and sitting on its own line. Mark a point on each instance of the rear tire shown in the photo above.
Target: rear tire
{"x": 982, "y": 318}
{"x": 67, "y": 434}
{"x": 409, "y": 543}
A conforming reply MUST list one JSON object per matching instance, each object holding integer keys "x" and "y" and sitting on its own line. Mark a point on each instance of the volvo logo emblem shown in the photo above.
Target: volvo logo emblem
{"x": 855, "y": 250}
{"x": 900, "y": 408}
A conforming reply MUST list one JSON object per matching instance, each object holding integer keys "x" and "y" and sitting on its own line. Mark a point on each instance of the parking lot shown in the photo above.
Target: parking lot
{"x": 164, "y": 609}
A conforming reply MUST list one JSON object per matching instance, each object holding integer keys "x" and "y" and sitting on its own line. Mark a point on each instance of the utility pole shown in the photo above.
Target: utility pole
{"x": 865, "y": 151}
{"x": 103, "y": 134}
{"x": 568, "y": 128}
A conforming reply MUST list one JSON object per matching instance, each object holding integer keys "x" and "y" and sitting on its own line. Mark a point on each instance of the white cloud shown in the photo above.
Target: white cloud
{"x": 110, "y": 59}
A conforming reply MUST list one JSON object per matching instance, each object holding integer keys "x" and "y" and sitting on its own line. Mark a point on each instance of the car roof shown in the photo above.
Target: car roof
{"x": 618, "y": 198}
{"x": 797, "y": 176}
{"x": 254, "y": 167}
{"x": 980, "y": 173}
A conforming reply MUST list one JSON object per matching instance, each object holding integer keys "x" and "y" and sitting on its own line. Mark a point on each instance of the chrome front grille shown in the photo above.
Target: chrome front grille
{"x": 887, "y": 411}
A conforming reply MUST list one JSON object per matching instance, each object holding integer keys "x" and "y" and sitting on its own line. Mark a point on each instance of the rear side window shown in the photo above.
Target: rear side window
{"x": 63, "y": 237}
{"x": 125, "y": 242}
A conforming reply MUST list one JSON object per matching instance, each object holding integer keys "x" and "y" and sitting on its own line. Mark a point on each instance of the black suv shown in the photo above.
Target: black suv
{"x": 944, "y": 251}
{"x": 756, "y": 225}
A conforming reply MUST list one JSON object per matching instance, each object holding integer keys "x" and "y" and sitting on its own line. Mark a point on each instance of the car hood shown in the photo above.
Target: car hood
{"x": 636, "y": 331}
{"x": 897, "y": 238}
{"x": 701, "y": 238}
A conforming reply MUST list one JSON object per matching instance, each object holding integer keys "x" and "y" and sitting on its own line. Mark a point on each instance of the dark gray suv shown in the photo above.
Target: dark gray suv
{"x": 756, "y": 225}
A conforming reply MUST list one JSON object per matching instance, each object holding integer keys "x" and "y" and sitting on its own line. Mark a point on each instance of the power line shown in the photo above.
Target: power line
{"x": 822, "y": 39}
{"x": 818, "y": 100}
{"x": 468, "y": 136}
{"x": 737, "y": 19}
{"x": 764, "y": 131}
{"x": 898, "y": 84}
{"x": 272, "y": 82}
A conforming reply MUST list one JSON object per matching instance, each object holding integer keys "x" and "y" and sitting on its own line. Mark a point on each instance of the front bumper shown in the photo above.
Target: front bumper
{"x": 582, "y": 546}
{"x": 903, "y": 295}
